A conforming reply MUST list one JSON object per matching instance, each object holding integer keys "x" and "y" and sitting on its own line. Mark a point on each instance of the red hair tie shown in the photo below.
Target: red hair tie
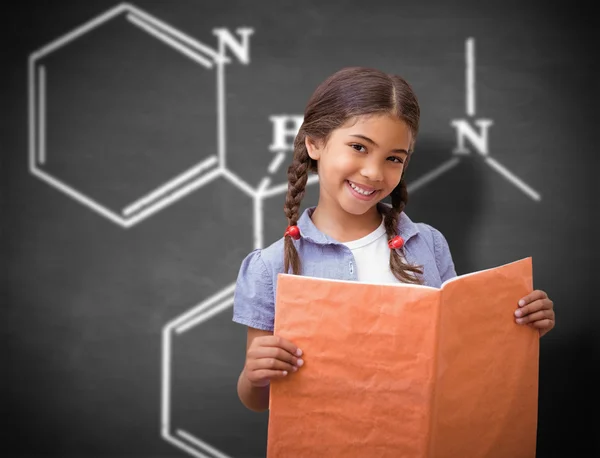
{"x": 293, "y": 232}
{"x": 396, "y": 243}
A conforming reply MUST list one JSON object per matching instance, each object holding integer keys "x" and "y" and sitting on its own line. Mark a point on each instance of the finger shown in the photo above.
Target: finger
{"x": 544, "y": 331}
{"x": 280, "y": 342}
{"x": 266, "y": 374}
{"x": 533, "y": 296}
{"x": 541, "y": 315}
{"x": 266, "y": 356}
{"x": 543, "y": 325}
{"x": 273, "y": 352}
{"x": 270, "y": 363}
{"x": 541, "y": 304}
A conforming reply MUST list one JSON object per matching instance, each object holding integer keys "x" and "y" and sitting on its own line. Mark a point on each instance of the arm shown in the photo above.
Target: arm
{"x": 253, "y": 397}
{"x": 253, "y": 307}
{"x": 268, "y": 357}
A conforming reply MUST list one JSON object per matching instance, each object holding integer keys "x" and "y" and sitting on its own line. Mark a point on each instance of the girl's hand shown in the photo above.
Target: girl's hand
{"x": 270, "y": 357}
{"x": 536, "y": 310}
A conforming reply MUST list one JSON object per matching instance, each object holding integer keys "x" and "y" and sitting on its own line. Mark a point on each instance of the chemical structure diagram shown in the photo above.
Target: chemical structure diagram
{"x": 202, "y": 173}
{"x": 215, "y": 166}
{"x": 479, "y": 140}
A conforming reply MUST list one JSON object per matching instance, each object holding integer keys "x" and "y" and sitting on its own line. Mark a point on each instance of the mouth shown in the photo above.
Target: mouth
{"x": 362, "y": 192}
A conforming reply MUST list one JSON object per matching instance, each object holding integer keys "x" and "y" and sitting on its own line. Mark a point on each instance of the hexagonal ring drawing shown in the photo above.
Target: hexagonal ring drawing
{"x": 180, "y": 185}
{"x": 212, "y": 306}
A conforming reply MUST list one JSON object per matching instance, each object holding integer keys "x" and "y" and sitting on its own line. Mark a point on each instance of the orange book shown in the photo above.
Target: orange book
{"x": 408, "y": 371}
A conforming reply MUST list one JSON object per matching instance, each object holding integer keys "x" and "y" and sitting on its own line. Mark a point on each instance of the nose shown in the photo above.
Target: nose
{"x": 372, "y": 171}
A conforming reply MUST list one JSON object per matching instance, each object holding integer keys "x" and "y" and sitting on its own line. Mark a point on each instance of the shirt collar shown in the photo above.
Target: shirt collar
{"x": 308, "y": 230}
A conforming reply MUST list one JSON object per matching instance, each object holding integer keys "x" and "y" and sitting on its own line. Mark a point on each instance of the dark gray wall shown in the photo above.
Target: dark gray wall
{"x": 85, "y": 300}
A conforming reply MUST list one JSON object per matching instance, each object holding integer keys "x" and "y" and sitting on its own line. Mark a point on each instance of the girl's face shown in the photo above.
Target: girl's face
{"x": 362, "y": 162}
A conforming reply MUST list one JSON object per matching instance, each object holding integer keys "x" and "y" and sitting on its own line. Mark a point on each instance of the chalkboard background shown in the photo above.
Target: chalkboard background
{"x": 86, "y": 300}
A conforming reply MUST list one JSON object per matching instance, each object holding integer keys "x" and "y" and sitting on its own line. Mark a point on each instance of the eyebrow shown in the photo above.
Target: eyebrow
{"x": 367, "y": 139}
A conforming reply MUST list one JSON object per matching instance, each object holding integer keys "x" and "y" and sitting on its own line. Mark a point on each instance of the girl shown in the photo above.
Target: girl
{"x": 358, "y": 134}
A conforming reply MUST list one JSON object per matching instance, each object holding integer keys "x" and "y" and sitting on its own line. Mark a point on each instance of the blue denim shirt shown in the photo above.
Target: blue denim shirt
{"x": 323, "y": 257}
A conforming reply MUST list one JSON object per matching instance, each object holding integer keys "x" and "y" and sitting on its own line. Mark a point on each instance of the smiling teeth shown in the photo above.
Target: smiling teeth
{"x": 360, "y": 190}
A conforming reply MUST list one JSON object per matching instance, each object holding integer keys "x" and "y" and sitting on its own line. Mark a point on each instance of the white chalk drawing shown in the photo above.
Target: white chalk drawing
{"x": 477, "y": 138}
{"x": 204, "y": 172}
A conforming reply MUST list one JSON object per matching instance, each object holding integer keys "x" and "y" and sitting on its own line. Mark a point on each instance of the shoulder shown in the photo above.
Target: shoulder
{"x": 432, "y": 236}
{"x": 262, "y": 263}
{"x": 407, "y": 228}
{"x": 254, "y": 295}
{"x": 438, "y": 245}
{"x": 272, "y": 256}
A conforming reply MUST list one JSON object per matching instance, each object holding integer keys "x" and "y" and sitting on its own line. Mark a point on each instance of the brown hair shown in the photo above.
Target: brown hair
{"x": 349, "y": 93}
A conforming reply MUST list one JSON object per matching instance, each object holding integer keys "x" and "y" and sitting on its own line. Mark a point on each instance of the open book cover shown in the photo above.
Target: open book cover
{"x": 402, "y": 370}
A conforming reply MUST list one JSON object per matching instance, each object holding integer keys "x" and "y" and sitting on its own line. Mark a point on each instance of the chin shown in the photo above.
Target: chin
{"x": 356, "y": 208}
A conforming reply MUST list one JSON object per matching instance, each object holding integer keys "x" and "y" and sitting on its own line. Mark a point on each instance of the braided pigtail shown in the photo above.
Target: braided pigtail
{"x": 297, "y": 176}
{"x": 402, "y": 271}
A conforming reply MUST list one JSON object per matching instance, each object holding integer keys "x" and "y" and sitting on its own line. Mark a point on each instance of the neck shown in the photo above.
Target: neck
{"x": 343, "y": 226}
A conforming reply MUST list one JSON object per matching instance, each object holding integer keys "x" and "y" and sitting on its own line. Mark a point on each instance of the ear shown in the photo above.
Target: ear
{"x": 314, "y": 150}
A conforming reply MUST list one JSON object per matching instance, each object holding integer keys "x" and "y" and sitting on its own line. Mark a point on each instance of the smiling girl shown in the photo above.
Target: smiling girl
{"x": 359, "y": 132}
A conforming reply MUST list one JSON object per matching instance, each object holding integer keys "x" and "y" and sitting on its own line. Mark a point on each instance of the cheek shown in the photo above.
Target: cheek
{"x": 338, "y": 164}
{"x": 393, "y": 175}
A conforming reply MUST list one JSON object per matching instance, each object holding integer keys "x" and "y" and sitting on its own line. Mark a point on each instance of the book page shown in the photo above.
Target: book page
{"x": 366, "y": 386}
{"x": 520, "y": 261}
{"x": 487, "y": 376}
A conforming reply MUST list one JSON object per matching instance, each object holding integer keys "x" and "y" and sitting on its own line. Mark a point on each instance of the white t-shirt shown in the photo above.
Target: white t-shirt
{"x": 372, "y": 255}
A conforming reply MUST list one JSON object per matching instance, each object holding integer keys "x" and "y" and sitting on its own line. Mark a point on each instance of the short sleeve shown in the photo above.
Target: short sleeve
{"x": 443, "y": 258}
{"x": 253, "y": 299}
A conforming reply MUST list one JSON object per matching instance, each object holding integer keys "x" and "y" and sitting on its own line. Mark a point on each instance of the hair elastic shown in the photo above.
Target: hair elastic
{"x": 293, "y": 232}
{"x": 396, "y": 243}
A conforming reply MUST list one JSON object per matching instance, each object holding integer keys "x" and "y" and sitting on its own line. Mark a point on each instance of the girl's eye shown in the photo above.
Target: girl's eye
{"x": 396, "y": 159}
{"x": 357, "y": 147}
